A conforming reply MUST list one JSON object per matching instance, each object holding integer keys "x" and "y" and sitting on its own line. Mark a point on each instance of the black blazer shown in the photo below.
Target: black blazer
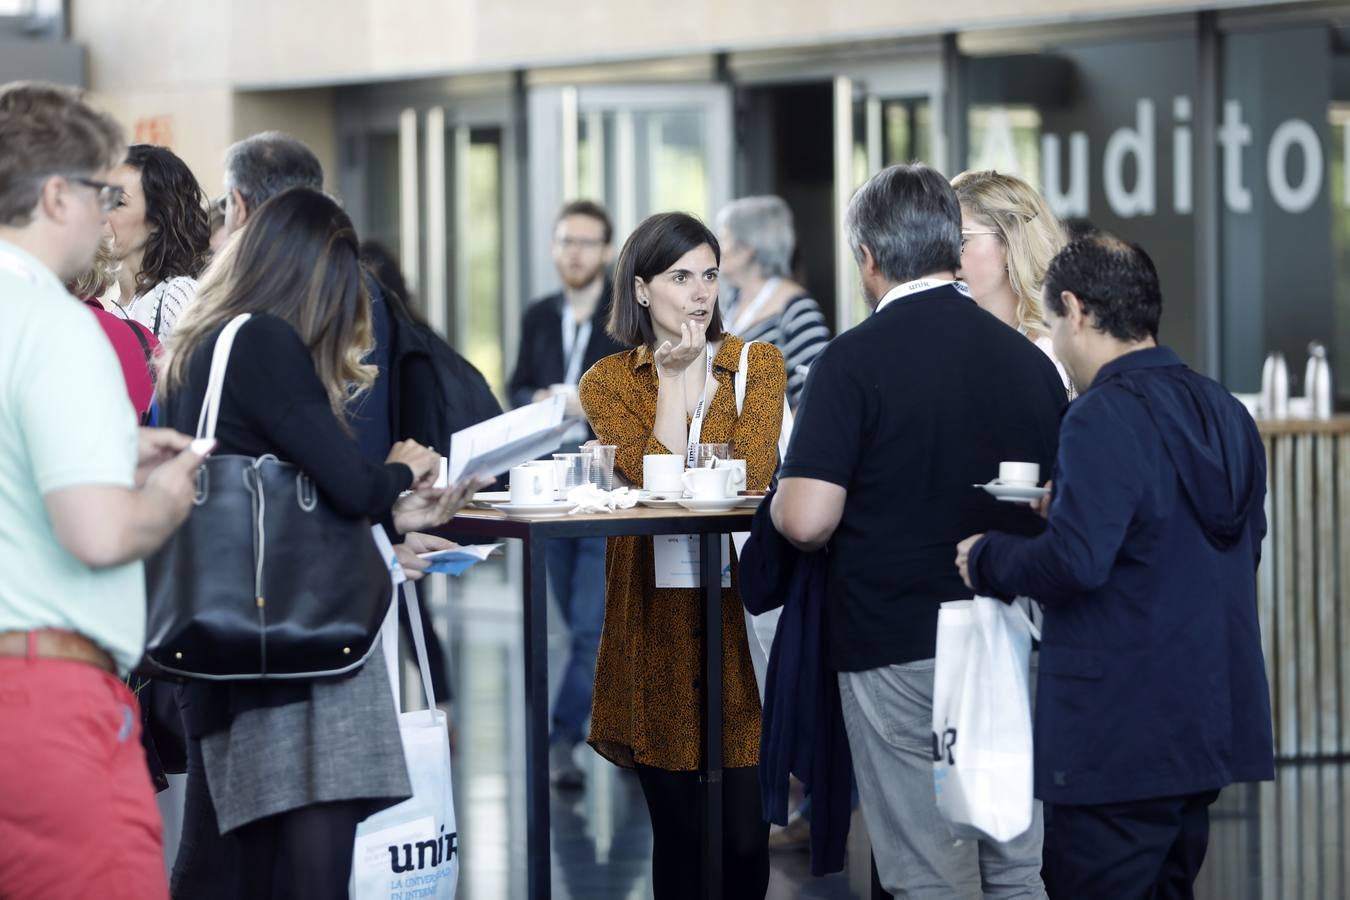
{"x": 540, "y": 362}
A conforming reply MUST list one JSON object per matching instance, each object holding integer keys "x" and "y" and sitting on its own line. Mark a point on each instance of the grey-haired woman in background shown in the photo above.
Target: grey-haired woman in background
{"x": 757, "y": 241}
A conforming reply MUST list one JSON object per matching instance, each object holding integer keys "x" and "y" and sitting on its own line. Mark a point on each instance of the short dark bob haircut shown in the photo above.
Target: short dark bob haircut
{"x": 1116, "y": 282}
{"x": 653, "y": 247}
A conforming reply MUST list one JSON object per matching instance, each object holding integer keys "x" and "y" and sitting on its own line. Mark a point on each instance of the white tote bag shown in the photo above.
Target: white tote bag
{"x": 412, "y": 849}
{"x": 982, "y": 718}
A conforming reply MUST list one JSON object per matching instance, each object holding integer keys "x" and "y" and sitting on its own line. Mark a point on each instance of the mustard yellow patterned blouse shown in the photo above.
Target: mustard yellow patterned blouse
{"x": 646, "y": 706}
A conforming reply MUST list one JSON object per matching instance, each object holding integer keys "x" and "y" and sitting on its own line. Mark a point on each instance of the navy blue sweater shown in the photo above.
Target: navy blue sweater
{"x": 803, "y": 727}
{"x": 1152, "y": 680}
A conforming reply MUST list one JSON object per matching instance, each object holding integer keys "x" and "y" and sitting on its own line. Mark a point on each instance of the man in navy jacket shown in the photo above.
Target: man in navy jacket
{"x": 1152, "y": 690}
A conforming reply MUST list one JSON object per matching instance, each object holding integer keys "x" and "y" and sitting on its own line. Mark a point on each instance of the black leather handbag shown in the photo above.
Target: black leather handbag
{"x": 264, "y": 580}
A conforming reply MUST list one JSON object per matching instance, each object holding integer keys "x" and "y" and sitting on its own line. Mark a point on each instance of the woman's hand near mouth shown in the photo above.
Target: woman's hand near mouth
{"x": 671, "y": 361}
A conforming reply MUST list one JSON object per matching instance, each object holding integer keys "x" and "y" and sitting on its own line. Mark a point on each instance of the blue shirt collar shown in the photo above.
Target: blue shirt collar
{"x": 1147, "y": 358}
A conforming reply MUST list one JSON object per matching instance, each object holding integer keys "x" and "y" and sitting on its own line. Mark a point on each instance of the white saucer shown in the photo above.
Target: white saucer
{"x": 718, "y": 505}
{"x": 659, "y": 500}
{"x": 752, "y": 501}
{"x": 486, "y": 499}
{"x": 552, "y": 508}
{"x": 1013, "y": 493}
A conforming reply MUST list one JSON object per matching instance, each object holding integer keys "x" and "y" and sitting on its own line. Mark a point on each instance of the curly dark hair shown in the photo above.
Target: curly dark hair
{"x": 175, "y": 205}
{"x": 1116, "y": 282}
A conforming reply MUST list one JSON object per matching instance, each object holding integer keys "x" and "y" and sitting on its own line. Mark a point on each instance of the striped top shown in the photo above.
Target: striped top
{"x": 159, "y": 308}
{"x": 800, "y": 332}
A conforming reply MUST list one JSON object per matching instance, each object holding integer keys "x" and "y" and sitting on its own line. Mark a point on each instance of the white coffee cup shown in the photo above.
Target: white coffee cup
{"x": 710, "y": 484}
{"x": 1022, "y": 474}
{"x": 738, "y": 467}
{"x": 661, "y": 473}
{"x": 532, "y": 483}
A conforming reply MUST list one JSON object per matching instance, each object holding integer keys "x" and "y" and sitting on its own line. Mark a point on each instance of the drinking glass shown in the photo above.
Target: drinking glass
{"x": 705, "y": 452}
{"x": 602, "y": 465}
{"x": 573, "y": 469}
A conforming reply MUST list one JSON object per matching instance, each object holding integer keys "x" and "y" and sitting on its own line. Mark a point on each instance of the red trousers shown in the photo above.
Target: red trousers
{"x": 77, "y": 812}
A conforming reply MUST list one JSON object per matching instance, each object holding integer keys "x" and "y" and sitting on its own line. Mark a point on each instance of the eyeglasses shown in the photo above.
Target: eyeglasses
{"x": 109, "y": 195}
{"x": 966, "y": 234}
{"x": 570, "y": 243}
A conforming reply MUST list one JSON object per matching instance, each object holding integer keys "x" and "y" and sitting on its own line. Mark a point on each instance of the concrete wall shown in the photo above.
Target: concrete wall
{"x": 265, "y": 43}
{"x": 164, "y": 69}
{"x": 369, "y": 39}
{"x": 192, "y": 73}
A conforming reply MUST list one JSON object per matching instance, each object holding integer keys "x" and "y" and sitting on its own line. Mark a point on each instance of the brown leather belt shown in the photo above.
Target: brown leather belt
{"x": 54, "y": 644}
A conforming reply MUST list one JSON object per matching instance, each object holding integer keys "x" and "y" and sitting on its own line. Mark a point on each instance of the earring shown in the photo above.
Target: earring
{"x": 643, "y": 301}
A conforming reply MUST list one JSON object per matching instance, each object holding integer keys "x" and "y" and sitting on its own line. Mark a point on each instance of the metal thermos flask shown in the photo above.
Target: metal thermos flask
{"x": 1317, "y": 382}
{"x": 1275, "y": 387}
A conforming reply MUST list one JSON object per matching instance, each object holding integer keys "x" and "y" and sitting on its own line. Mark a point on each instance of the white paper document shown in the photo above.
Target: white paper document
{"x": 457, "y": 560}
{"x": 494, "y": 446}
{"x": 677, "y": 561}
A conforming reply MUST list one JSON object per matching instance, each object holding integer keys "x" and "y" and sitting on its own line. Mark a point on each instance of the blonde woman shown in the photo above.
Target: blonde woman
{"x": 1008, "y": 237}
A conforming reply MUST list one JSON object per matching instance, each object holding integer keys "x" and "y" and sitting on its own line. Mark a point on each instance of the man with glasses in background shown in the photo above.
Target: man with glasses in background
{"x": 83, "y": 498}
{"x": 563, "y": 335}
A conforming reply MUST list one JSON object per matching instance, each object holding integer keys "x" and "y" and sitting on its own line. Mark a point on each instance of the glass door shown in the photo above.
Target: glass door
{"x": 634, "y": 150}
{"x": 884, "y": 113}
{"x": 431, "y": 179}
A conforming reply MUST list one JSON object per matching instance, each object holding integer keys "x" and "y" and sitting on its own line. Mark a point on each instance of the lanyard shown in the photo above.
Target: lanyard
{"x": 575, "y": 337}
{"x": 696, "y": 425}
{"x": 901, "y": 291}
{"x": 745, "y": 315}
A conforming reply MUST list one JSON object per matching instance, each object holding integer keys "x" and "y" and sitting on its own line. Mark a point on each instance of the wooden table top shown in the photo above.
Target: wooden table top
{"x": 635, "y": 513}
{"x": 1334, "y": 425}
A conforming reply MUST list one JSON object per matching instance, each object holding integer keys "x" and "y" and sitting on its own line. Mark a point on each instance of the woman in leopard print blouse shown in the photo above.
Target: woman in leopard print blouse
{"x": 646, "y": 708}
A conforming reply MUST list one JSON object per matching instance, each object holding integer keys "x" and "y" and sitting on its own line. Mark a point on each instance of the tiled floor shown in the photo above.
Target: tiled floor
{"x": 601, "y": 836}
{"x": 1281, "y": 841}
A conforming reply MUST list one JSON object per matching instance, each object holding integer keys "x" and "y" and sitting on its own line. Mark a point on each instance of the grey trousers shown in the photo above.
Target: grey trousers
{"x": 888, "y": 713}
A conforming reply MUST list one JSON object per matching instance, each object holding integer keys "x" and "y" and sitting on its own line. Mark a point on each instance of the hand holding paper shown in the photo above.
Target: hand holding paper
{"x": 457, "y": 560}
{"x": 494, "y": 446}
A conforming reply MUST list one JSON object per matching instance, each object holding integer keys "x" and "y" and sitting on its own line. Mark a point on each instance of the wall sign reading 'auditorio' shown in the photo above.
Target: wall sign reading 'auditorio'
{"x": 1294, "y": 165}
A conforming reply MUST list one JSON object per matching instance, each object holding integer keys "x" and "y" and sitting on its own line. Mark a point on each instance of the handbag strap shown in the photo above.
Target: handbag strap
{"x": 389, "y": 637}
{"x": 742, "y": 376}
{"x": 419, "y": 644}
{"x": 215, "y": 383}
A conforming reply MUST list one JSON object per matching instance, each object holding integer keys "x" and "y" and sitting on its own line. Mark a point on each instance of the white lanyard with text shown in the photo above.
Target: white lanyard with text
{"x": 745, "y": 315}
{"x": 696, "y": 425}
{"x": 574, "y": 338}
{"x": 901, "y": 291}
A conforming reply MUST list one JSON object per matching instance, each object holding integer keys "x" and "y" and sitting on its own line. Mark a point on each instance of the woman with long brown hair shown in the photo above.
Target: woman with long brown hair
{"x": 280, "y": 774}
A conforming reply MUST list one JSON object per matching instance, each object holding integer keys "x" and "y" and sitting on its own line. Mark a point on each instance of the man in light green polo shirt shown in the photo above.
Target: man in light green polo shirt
{"x": 84, "y": 496}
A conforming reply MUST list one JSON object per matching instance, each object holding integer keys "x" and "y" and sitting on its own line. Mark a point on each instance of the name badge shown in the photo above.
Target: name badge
{"x": 677, "y": 561}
